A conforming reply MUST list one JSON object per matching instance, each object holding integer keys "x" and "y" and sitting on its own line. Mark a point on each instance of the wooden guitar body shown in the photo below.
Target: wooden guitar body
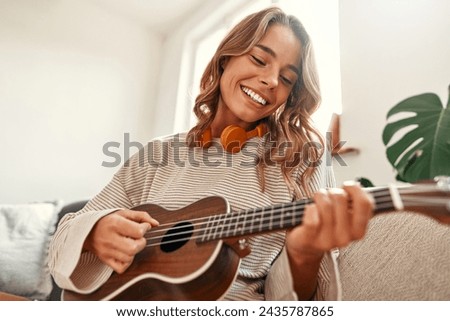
{"x": 178, "y": 269}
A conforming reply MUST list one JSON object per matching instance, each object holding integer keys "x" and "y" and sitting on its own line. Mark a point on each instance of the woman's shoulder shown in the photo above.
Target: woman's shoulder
{"x": 156, "y": 148}
{"x": 174, "y": 137}
{"x": 159, "y": 143}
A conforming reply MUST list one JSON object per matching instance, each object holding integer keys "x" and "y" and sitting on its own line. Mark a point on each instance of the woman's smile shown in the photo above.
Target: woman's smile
{"x": 254, "y": 96}
{"x": 255, "y": 84}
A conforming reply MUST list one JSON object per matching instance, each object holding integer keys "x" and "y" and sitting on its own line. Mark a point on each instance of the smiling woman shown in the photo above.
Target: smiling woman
{"x": 322, "y": 22}
{"x": 76, "y": 75}
{"x": 262, "y": 77}
{"x": 270, "y": 56}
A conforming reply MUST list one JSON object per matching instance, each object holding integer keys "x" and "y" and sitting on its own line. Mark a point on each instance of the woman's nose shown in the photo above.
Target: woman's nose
{"x": 269, "y": 78}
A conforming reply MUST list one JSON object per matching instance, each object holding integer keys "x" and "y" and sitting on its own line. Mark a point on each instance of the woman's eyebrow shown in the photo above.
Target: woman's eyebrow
{"x": 273, "y": 54}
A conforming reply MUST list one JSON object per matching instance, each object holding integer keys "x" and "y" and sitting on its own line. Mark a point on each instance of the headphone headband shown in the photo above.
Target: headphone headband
{"x": 233, "y": 138}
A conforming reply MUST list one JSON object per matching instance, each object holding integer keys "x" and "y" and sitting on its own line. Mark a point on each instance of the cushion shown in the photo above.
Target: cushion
{"x": 404, "y": 256}
{"x": 25, "y": 233}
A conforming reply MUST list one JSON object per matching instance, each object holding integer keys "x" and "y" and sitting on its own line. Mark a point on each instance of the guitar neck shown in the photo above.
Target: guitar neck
{"x": 254, "y": 221}
{"x": 278, "y": 217}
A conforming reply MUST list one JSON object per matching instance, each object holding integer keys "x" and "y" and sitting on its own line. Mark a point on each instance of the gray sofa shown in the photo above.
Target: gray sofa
{"x": 25, "y": 234}
{"x": 404, "y": 256}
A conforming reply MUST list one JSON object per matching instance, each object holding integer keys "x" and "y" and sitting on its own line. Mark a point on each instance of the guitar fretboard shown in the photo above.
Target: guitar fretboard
{"x": 254, "y": 221}
{"x": 272, "y": 218}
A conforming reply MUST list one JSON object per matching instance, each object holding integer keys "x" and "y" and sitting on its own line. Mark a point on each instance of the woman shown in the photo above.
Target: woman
{"x": 261, "y": 83}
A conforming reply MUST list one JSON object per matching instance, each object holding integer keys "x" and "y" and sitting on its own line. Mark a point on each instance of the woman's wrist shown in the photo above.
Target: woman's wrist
{"x": 304, "y": 257}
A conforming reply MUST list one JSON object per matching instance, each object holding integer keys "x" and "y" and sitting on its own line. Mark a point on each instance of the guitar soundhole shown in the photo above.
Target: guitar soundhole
{"x": 176, "y": 237}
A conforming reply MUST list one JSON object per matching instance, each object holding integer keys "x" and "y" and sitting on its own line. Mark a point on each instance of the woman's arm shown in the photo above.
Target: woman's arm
{"x": 104, "y": 236}
{"x": 336, "y": 218}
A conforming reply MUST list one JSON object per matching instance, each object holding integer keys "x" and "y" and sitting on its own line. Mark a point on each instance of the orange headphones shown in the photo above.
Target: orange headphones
{"x": 233, "y": 137}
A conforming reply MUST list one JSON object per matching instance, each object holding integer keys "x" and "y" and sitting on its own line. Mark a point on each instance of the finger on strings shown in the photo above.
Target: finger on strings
{"x": 342, "y": 222}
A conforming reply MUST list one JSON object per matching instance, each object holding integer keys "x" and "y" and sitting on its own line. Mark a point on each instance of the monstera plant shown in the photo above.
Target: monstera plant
{"x": 423, "y": 150}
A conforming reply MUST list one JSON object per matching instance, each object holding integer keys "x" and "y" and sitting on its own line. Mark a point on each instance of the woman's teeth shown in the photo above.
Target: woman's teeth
{"x": 254, "y": 96}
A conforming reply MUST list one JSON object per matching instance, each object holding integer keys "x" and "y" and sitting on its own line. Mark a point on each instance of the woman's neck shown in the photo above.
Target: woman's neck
{"x": 224, "y": 118}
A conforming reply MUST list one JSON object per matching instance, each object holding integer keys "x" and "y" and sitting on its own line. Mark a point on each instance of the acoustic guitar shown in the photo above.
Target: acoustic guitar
{"x": 195, "y": 252}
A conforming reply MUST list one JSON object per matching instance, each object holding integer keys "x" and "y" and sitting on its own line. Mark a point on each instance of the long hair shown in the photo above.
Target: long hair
{"x": 291, "y": 124}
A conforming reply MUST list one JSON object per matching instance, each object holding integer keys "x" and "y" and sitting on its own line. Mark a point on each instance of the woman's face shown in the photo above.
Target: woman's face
{"x": 256, "y": 84}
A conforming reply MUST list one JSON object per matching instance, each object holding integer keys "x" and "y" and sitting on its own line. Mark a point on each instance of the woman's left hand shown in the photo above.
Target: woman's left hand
{"x": 336, "y": 218}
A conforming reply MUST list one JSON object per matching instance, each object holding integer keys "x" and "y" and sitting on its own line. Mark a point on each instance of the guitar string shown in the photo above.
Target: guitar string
{"x": 231, "y": 215}
{"x": 436, "y": 201}
{"x": 282, "y": 206}
{"x": 386, "y": 206}
{"x": 223, "y": 218}
{"x": 380, "y": 191}
{"x": 219, "y": 218}
{"x": 257, "y": 211}
{"x": 381, "y": 207}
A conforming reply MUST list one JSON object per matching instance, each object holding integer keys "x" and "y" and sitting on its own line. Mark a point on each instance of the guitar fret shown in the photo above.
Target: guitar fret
{"x": 287, "y": 215}
{"x": 297, "y": 219}
{"x": 233, "y": 224}
{"x": 277, "y": 219}
{"x": 266, "y": 218}
{"x": 204, "y": 230}
{"x": 249, "y": 220}
{"x": 223, "y": 225}
{"x": 240, "y": 230}
{"x": 271, "y": 218}
{"x": 226, "y": 227}
{"x": 215, "y": 223}
{"x": 259, "y": 219}
{"x": 293, "y": 216}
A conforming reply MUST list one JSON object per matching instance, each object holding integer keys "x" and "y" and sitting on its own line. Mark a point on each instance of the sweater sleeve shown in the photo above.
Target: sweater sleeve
{"x": 83, "y": 272}
{"x": 280, "y": 287}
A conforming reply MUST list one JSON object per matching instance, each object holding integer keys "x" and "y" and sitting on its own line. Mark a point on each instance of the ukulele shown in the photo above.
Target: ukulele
{"x": 195, "y": 252}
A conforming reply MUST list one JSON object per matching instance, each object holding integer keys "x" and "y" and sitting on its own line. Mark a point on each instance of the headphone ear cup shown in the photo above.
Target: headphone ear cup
{"x": 233, "y": 138}
{"x": 206, "y": 138}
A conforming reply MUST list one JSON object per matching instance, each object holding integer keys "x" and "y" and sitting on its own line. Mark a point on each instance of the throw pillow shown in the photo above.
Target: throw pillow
{"x": 25, "y": 233}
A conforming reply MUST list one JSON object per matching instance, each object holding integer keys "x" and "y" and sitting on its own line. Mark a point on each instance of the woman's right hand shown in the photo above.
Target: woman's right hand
{"x": 116, "y": 238}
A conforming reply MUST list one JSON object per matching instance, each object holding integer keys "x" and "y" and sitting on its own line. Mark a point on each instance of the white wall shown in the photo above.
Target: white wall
{"x": 72, "y": 78}
{"x": 390, "y": 50}
{"x": 177, "y": 65}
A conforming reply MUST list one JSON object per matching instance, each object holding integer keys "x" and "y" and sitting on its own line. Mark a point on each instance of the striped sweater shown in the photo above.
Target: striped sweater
{"x": 168, "y": 173}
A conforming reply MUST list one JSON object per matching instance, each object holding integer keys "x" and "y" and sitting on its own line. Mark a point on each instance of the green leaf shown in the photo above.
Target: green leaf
{"x": 424, "y": 151}
{"x": 365, "y": 182}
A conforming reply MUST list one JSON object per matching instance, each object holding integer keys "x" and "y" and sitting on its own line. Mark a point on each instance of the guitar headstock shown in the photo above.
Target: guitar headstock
{"x": 431, "y": 198}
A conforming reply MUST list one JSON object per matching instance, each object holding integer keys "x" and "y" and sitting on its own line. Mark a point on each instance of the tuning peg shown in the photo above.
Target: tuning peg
{"x": 443, "y": 183}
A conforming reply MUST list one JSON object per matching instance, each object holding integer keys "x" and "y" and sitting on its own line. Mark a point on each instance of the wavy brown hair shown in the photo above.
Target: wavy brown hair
{"x": 291, "y": 124}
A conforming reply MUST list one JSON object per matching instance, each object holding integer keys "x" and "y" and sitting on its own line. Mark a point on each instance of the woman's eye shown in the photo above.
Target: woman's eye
{"x": 258, "y": 61}
{"x": 287, "y": 81}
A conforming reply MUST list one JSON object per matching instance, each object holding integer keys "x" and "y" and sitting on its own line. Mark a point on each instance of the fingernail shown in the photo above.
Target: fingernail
{"x": 351, "y": 183}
